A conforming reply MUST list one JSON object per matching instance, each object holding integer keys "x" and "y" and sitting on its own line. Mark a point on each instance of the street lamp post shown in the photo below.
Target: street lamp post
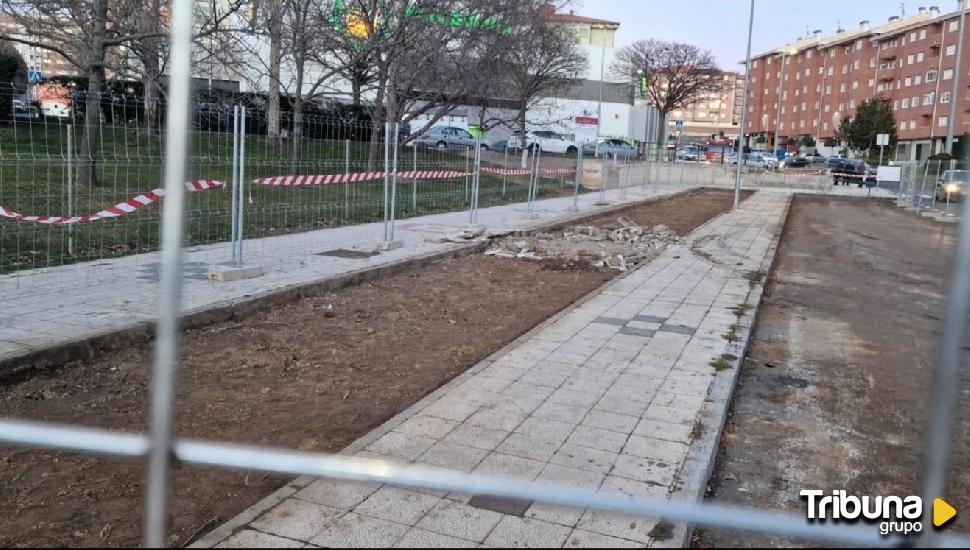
{"x": 744, "y": 112}
{"x": 955, "y": 95}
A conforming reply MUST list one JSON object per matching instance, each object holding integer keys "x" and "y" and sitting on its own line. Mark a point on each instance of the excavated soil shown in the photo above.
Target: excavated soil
{"x": 313, "y": 375}
{"x": 835, "y": 390}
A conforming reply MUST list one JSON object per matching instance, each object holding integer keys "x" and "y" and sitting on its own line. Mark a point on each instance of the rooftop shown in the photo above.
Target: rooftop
{"x": 864, "y": 30}
{"x": 549, "y": 11}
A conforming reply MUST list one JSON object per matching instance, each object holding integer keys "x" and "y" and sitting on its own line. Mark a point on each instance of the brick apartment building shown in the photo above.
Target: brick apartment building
{"x": 911, "y": 61}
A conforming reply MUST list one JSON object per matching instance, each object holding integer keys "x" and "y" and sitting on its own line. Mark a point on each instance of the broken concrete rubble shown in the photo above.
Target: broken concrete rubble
{"x": 622, "y": 247}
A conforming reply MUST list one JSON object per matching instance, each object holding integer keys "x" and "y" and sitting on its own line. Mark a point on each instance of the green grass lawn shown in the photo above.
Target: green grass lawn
{"x": 34, "y": 170}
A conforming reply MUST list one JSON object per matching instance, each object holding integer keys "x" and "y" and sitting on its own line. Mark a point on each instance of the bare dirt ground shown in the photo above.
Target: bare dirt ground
{"x": 835, "y": 390}
{"x": 297, "y": 376}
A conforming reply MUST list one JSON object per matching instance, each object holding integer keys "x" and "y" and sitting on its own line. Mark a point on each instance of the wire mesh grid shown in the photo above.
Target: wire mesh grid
{"x": 40, "y": 170}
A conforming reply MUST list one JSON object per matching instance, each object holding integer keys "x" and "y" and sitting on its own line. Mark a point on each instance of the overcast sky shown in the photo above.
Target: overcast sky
{"x": 722, "y": 25}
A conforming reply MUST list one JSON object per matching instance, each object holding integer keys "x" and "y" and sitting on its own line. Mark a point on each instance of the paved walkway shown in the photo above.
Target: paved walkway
{"x": 604, "y": 397}
{"x": 49, "y": 307}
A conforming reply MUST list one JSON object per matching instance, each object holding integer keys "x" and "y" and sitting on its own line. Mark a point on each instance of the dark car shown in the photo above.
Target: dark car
{"x": 849, "y": 171}
{"x": 797, "y": 162}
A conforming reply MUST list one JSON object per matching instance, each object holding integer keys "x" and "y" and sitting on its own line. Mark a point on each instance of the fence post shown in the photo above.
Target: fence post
{"x": 579, "y": 175}
{"x": 387, "y": 181}
{"x": 414, "y": 182}
{"x": 70, "y": 187}
{"x": 623, "y": 175}
{"x": 505, "y": 168}
{"x": 467, "y": 168}
{"x": 235, "y": 186}
{"x": 240, "y": 234}
{"x": 648, "y": 167}
{"x": 347, "y": 184}
{"x": 473, "y": 206}
{"x": 397, "y": 148}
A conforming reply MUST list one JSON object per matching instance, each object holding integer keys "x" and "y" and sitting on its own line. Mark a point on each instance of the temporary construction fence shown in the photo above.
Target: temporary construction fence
{"x": 160, "y": 449}
{"x": 935, "y": 188}
{"x": 55, "y": 168}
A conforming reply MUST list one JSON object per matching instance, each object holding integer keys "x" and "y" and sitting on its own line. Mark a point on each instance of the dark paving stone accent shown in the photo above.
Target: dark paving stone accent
{"x": 638, "y": 332}
{"x": 678, "y": 329}
{"x": 650, "y": 319}
{"x": 610, "y": 321}
{"x": 507, "y": 506}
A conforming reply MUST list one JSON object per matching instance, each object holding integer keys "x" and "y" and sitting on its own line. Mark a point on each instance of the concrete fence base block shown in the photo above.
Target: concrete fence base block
{"x": 227, "y": 274}
{"x": 942, "y": 218}
{"x": 929, "y": 214}
{"x": 387, "y": 246}
{"x": 471, "y": 231}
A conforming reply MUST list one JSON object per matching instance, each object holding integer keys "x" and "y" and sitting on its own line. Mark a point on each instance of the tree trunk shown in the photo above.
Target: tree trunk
{"x": 87, "y": 163}
{"x": 297, "y": 152}
{"x": 523, "y": 139}
{"x": 275, "y": 56}
{"x": 149, "y": 53}
{"x": 377, "y": 121}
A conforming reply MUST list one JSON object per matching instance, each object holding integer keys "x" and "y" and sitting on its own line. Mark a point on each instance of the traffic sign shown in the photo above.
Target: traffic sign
{"x": 34, "y": 76}
{"x": 679, "y": 125}
{"x": 882, "y": 140}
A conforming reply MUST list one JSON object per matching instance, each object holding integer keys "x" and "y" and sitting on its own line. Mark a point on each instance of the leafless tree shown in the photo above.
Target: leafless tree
{"x": 677, "y": 75}
{"x": 546, "y": 60}
{"x": 85, "y": 33}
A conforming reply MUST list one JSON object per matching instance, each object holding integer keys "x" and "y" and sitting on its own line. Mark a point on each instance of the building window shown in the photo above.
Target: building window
{"x": 954, "y": 26}
{"x": 872, "y": 82}
{"x": 922, "y": 34}
{"x": 855, "y": 66}
{"x": 943, "y": 121}
{"x": 929, "y": 98}
{"x": 855, "y": 84}
{"x": 945, "y": 97}
{"x": 912, "y": 37}
{"x": 915, "y": 102}
{"x": 917, "y": 80}
{"x": 845, "y": 69}
{"x": 911, "y": 59}
{"x": 947, "y": 74}
{"x": 932, "y": 75}
{"x": 908, "y": 82}
{"x": 872, "y": 63}
{"x": 825, "y": 126}
{"x": 809, "y": 54}
{"x": 912, "y": 125}
{"x": 906, "y": 103}
{"x": 828, "y": 89}
{"x": 815, "y": 123}
{"x": 842, "y": 87}
{"x": 920, "y": 57}
{"x": 951, "y": 49}
{"x": 769, "y": 60}
{"x": 896, "y": 105}
{"x": 808, "y": 72}
{"x": 831, "y": 71}
{"x": 828, "y": 108}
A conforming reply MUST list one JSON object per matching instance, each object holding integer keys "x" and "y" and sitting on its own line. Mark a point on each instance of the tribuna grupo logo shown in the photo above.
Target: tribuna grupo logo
{"x": 895, "y": 515}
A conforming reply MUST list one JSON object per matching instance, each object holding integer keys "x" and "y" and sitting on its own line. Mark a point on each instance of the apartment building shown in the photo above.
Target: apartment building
{"x": 717, "y": 113}
{"x": 807, "y": 87}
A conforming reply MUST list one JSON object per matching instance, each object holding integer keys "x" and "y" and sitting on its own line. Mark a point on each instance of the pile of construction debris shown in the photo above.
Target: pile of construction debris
{"x": 622, "y": 247}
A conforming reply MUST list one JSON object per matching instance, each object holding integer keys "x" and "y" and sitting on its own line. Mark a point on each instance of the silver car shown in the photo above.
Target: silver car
{"x": 445, "y": 137}
{"x": 612, "y": 148}
{"x": 951, "y": 185}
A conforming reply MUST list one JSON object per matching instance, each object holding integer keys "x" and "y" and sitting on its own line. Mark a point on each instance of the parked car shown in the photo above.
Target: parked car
{"x": 833, "y": 162}
{"x": 950, "y": 187}
{"x": 550, "y": 142}
{"x": 499, "y": 146}
{"x": 765, "y": 161}
{"x": 849, "y": 171}
{"x": 611, "y": 148}
{"x": 797, "y": 162}
{"x": 445, "y": 137}
{"x": 689, "y": 154}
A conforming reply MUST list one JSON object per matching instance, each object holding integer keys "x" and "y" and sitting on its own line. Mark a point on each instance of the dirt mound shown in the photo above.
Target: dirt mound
{"x": 619, "y": 247}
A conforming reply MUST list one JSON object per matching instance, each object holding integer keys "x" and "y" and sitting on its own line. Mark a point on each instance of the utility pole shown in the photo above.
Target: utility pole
{"x": 955, "y": 95}
{"x": 744, "y": 112}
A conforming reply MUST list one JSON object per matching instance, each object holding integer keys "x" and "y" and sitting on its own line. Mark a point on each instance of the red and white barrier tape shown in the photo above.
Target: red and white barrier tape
{"x": 558, "y": 171}
{"x": 508, "y": 171}
{"x": 120, "y": 209}
{"x": 431, "y": 175}
{"x": 329, "y": 179}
